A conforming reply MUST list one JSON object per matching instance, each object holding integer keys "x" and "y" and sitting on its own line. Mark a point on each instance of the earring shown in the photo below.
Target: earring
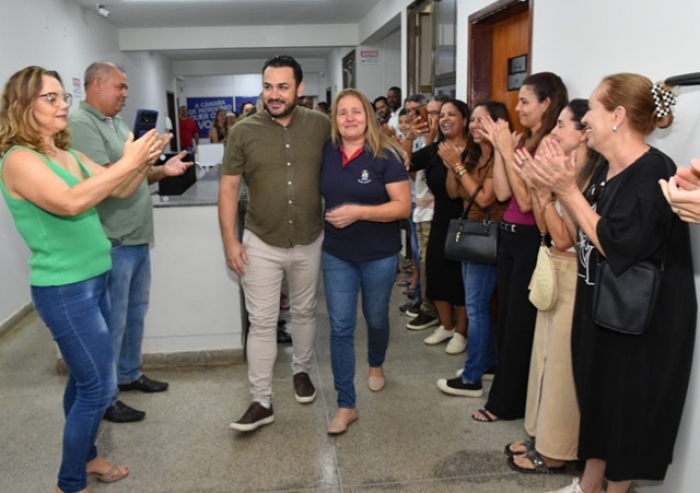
{"x": 614, "y": 128}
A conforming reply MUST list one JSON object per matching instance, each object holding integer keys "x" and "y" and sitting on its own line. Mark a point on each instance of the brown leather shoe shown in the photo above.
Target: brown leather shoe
{"x": 304, "y": 390}
{"x": 342, "y": 419}
{"x": 256, "y": 416}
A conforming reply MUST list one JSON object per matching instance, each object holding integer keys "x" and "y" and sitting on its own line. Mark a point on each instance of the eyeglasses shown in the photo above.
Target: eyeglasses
{"x": 595, "y": 192}
{"x": 54, "y": 98}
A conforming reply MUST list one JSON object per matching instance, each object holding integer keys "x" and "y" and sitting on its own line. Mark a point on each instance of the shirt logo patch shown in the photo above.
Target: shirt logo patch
{"x": 364, "y": 179}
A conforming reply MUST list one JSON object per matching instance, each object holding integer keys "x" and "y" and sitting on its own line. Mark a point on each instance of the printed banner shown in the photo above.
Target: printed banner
{"x": 203, "y": 111}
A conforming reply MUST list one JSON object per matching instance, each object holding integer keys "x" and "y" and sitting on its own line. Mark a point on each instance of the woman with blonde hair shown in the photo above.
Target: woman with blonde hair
{"x": 631, "y": 389}
{"x": 51, "y": 191}
{"x": 365, "y": 187}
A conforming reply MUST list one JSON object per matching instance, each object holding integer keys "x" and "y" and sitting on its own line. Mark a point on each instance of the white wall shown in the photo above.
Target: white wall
{"x": 59, "y": 35}
{"x": 334, "y": 69}
{"x": 374, "y": 78}
{"x": 584, "y": 41}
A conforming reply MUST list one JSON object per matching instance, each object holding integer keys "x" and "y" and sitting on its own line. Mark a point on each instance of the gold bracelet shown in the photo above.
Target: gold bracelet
{"x": 550, "y": 202}
{"x": 460, "y": 173}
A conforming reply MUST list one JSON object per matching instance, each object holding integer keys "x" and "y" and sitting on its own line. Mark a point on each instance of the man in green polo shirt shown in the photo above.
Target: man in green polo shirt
{"x": 279, "y": 153}
{"x": 98, "y": 131}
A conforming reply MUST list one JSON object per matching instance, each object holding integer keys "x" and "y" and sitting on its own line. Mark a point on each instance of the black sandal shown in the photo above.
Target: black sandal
{"x": 539, "y": 465}
{"x": 529, "y": 444}
{"x": 484, "y": 414}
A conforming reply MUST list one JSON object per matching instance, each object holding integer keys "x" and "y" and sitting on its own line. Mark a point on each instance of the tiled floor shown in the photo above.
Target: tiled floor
{"x": 410, "y": 437}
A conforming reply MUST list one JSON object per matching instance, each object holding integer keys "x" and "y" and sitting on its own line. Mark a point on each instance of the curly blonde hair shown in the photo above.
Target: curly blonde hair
{"x": 18, "y": 125}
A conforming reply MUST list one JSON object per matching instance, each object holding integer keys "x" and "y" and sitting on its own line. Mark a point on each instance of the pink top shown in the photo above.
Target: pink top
{"x": 513, "y": 213}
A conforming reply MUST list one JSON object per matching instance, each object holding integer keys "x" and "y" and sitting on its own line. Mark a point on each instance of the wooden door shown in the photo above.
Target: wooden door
{"x": 498, "y": 36}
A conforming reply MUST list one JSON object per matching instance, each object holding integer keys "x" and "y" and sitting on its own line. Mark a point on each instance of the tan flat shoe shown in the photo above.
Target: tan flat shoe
{"x": 376, "y": 380}
{"x": 59, "y": 490}
{"x": 108, "y": 473}
{"x": 342, "y": 419}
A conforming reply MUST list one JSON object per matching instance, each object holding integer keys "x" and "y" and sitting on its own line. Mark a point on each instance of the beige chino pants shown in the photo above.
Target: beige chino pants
{"x": 262, "y": 284}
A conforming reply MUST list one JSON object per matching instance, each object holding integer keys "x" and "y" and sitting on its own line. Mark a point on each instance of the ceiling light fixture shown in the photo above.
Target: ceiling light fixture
{"x": 102, "y": 10}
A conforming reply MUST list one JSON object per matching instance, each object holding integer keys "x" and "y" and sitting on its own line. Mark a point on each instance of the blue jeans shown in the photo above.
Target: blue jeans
{"x": 75, "y": 314}
{"x": 415, "y": 251}
{"x": 129, "y": 286}
{"x": 479, "y": 283}
{"x": 342, "y": 280}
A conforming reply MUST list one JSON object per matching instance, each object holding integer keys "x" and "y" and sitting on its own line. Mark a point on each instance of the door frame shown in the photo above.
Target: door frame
{"x": 479, "y": 71}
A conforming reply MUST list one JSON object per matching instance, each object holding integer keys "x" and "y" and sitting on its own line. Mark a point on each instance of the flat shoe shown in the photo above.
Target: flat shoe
{"x": 376, "y": 384}
{"x": 114, "y": 474}
{"x": 339, "y": 424}
{"x": 538, "y": 464}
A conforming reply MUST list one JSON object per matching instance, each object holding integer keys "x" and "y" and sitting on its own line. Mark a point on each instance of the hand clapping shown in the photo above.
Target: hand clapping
{"x": 682, "y": 192}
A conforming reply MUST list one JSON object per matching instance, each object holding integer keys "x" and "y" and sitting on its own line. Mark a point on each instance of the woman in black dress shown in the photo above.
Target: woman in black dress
{"x": 631, "y": 389}
{"x": 445, "y": 286}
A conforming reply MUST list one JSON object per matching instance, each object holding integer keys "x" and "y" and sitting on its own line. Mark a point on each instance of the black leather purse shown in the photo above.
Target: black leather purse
{"x": 626, "y": 302}
{"x": 472, "y": 241}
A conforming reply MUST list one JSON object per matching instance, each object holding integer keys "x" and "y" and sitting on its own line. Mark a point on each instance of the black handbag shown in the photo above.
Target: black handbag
{"x": 472, "y": 241}
{"x": 626, "y": 302}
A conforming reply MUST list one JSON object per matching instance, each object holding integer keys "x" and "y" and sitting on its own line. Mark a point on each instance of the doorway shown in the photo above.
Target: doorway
{"x": 172, "y": 114}
{"x": 420, "y": 47}
{"x": 349, "y": 70}
{"x": 500, "y": 40}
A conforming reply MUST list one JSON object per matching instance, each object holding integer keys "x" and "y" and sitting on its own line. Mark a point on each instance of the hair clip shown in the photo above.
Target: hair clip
{"x": 663, "y": 100}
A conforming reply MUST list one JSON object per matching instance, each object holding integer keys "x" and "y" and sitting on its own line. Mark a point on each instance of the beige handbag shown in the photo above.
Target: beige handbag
{"x": 543, "y": 284}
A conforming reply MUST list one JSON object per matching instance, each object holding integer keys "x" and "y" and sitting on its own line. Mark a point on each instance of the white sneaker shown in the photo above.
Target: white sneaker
{"x": 572, "y": 488}
{"x": 458, "y": 344}
{"x": 438, "y": 336}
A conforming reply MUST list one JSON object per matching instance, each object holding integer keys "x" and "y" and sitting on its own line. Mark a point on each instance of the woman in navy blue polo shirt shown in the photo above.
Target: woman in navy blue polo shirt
{"x": 365, "y": 186}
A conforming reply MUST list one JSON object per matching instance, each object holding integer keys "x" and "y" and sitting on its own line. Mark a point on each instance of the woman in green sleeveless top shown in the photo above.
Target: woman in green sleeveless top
{"x": 51, "y": 192}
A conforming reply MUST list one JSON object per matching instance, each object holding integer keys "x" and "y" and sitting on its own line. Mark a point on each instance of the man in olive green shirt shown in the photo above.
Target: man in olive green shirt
{"x": 279, "y": 153}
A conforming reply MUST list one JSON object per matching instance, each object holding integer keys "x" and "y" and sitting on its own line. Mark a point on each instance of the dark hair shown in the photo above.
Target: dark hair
{"x": 545, "y": 85}
{"x": 417, "y": 98}
{"x": 464, "y": 110}
{"x": 395, "y": 89}
{"x": 280, "y": 61}
{"x": 633, "y": 92}
{"x": 443, "y": 98}
{"x": 497, "y": 111}
{"x": 380, "y": 98}
{"x": 579, "y": 108}
{"x": 323, "y": 105}
{"x": 403, "y": 112}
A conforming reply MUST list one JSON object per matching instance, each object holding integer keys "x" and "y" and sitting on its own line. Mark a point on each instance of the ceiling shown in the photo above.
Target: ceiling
{"x": 208, "y": 13}
{"x": 245, "y": 53}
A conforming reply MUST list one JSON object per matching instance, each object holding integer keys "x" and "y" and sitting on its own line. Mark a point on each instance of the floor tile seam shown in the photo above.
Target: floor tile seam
{"x": 320, "y": 381}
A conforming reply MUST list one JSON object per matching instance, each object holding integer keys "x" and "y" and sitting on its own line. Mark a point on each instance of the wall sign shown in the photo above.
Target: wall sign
{"x": 517, "y": 71}
{"x": 203, "y": 111}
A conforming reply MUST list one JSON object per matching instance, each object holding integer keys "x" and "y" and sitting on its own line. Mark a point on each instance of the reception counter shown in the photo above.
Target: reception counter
{"x": 195, "y": 314}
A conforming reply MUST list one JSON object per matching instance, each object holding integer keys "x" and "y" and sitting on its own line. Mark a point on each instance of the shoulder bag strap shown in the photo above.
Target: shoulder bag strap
{"x": 471, "y": 202}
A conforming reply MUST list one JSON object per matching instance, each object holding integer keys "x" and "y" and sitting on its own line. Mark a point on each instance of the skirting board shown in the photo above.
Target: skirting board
{"x": 153, "y": 361}
{"x": 15, "y": 320}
